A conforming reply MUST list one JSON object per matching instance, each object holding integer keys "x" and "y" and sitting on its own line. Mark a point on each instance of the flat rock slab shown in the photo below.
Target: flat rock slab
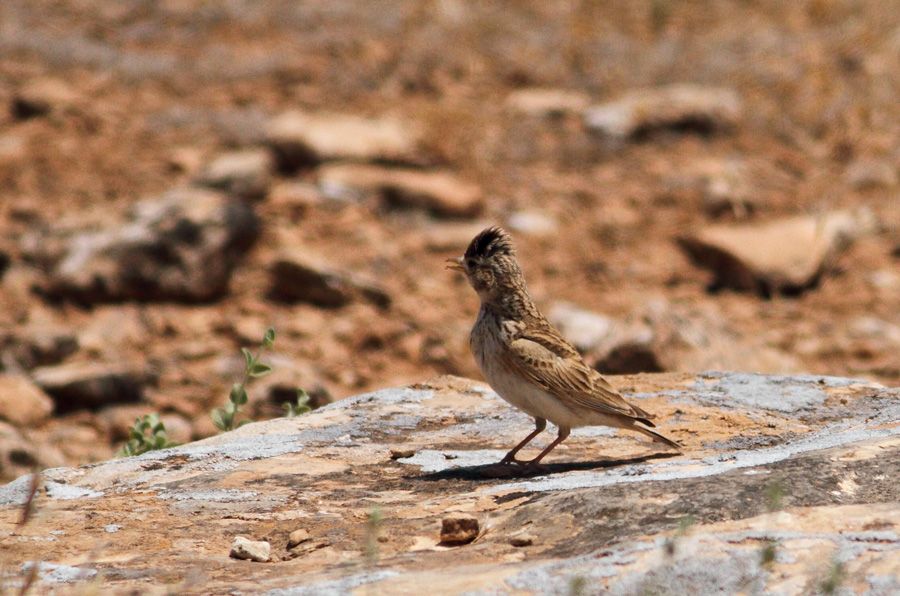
{"x": 438, "y": 192}
{"x": 303, "y": 138}
{"x": 796, "y": 471}
{"x": 675, "y": 107}
{"x": 782, "y": 256}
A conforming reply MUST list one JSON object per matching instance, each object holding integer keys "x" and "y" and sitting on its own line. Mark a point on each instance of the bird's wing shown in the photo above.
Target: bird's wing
{"x": 548, "y": 361}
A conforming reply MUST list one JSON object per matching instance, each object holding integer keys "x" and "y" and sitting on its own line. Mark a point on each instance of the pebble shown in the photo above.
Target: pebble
{"x": 520, "y": 540}
{"x": 297, "y": 536}
{"x": 674, "y": 107}
{"x": 402, "y": 453}
{"x": 459, "y": 529}
{"x": 251, "y": 550}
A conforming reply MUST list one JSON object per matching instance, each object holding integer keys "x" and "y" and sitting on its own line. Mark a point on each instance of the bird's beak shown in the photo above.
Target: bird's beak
{"x": 455, "y": 264}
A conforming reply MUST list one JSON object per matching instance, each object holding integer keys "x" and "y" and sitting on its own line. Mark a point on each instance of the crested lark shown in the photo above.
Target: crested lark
{"x": 526, "y": 360}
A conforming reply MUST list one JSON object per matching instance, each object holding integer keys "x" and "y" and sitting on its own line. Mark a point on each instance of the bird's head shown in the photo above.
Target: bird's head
{"x": 490, "y": 264}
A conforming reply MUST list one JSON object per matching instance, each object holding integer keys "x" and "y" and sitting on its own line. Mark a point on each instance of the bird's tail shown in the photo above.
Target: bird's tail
{"x": 657, "y": 437}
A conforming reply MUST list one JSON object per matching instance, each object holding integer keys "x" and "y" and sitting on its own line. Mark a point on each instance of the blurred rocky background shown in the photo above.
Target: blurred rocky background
{"x": 692, "y": 186}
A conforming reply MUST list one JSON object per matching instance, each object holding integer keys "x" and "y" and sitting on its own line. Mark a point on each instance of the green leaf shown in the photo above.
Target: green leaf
{"x": 302, "y": 397}
{"x": 243, "y": 422}
{"x": 269, "y": 339}
{"x": 238, "y": 394}
{"x": 259, "y": 370}
{"x": 218, "y": 418}
{"x": 248, "y": 358}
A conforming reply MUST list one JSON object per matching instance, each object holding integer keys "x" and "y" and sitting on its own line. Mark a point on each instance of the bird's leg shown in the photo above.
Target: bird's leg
{"x": 563, "y": 433}
{"x": 539, "y": 425}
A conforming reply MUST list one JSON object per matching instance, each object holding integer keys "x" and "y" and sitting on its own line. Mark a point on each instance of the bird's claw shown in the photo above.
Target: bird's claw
{"x": 508, "y": 461}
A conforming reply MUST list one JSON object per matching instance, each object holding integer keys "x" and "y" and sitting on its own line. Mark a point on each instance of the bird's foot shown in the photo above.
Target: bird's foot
{"x": 512, "y": 461}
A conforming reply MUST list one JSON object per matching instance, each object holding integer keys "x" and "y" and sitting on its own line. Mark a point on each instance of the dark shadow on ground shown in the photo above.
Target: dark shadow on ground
{"x": 497, "y": 470}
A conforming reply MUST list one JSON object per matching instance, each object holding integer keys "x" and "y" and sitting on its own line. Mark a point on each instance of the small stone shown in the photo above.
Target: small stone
{"x": 299, "y": 277}
{"x": 871, "y": 173}
{"x": 459, "y": 529}
{"x": 440, "y": 193}
{"x": 251, "y": 550}
{"x": 521, "y": 540}
{"x": 676, "y": 107}
{"x": 548, "y": 103}
{"x": 586, "y": 330}
{"x": 297, "y": 536}
{"x": 40, "y": 97}
{"x": 299, "y": 139}
{"x": 246, "y": 173}
{"x": 22, "y": 402}
{"x": 532, "y": 223}
{"x": 402, "y": 453}
{"x": 89, "y": 385}
{"x": 782, "y": 256}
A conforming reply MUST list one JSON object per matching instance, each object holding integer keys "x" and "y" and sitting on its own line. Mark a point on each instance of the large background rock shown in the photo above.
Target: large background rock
{"x": 807, "y": 464}
{"x": 181, "y": 246}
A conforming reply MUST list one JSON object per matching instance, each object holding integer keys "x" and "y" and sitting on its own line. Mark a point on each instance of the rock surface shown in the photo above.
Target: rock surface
{"x": 805, "y": 463}
{"x": 181, "y": 246}
{"x": 676, "y": 107}
{"x": 782, "y": 256}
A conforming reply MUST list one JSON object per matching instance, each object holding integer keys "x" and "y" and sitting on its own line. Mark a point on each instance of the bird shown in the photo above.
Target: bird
{"x": 526, "y": 360}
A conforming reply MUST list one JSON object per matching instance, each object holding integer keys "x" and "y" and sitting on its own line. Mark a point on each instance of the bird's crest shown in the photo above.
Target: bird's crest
{"x": 491, "y": 242}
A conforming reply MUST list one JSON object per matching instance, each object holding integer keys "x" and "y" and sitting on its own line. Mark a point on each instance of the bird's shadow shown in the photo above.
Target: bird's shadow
{"x": 500, "y": 471}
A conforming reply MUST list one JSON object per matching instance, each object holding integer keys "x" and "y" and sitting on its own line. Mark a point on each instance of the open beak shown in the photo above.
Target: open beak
{"x": 455, "y": 264}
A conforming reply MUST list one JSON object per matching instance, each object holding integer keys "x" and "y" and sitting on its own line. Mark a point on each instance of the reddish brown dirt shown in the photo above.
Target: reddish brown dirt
{"x": 162, "y": 85}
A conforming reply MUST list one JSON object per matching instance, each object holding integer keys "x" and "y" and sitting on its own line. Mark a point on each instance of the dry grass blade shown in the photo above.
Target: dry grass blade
{"x": 30, "y": 578}
{"x": 28, "y": 506}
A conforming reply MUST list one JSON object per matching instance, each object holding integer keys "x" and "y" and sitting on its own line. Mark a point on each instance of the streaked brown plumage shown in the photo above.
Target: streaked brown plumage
{"x": 527, "y": 361}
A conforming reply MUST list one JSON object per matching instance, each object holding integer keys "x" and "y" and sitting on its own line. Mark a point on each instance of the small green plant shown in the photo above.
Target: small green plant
{"x": 226, "y": 418}
{"x": 373, "y": 531}
{"x": 768, "y": 552}
{"x": 147, "y": 434}
{"x": 577, "y": 585}
{"x": 834, "y": 579}
{"x": 774, "y": 496}
{"x": 300, "y": 407}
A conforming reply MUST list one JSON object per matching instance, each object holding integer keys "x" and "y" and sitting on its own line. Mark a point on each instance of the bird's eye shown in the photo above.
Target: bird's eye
{"x": 470, "y": 264}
